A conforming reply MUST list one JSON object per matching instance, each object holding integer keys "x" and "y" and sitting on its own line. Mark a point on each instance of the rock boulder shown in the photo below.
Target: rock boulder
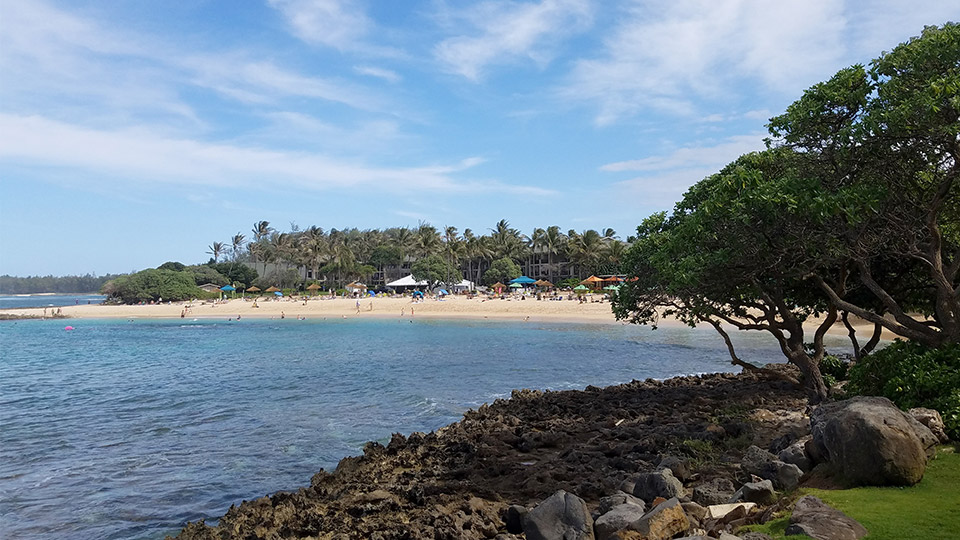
{"x": 869, "y": 441}
{"x": 814, "y": 518}
{"x": 562, "y": 516}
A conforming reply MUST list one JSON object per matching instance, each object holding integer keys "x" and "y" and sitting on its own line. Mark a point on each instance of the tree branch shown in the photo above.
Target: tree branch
{"x": 735, "y": 360}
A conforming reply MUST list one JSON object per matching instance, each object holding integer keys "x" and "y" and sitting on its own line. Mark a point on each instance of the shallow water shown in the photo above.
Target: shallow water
{"x": 130, "y": 429}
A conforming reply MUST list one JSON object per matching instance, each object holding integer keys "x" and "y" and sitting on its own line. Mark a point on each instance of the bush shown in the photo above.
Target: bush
{"x": 912, "y": 375}
{"x": 151, "y": 285}
{"x": 833, "y": 369}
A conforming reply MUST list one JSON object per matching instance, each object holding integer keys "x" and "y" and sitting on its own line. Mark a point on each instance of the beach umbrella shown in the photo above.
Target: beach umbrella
{"x": 522, "y": 280}
{"x": 497, "y": 285}
{"x": 417, "y": 293}
{"x": 612, "y": 288}
{"x": 278, "y": 293}
{"x": 443, "y": 291}
{"x": 313, "y": 287}
{"x": 228, "y": 288}
{"x": 272, "y": 289}
{"x": 254, "y": 289}
{"x": 516, "y": 286}
{"x": 580, "y": 289}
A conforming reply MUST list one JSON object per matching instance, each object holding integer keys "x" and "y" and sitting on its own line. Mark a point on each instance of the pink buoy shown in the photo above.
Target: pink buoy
{"x": 68, "y": 328}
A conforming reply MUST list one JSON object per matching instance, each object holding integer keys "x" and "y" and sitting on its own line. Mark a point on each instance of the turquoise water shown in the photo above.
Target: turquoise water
{"x": 130, "y": 429}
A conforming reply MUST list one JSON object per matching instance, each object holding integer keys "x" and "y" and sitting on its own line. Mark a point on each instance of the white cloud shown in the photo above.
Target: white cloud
{"x": 665, "y": 178}
{"x": 335, "y": 23}
{"x": 144, "y": 156}
{"x": 510, "y": 31}
{"x": 667, "y": 56}
{"x": 716, "y": 155}
{"x": 385, "y": 74}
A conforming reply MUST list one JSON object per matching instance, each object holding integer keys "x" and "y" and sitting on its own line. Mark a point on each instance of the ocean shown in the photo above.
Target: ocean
{"x": 122, "y": 429}
{"x": 10, "y": 301}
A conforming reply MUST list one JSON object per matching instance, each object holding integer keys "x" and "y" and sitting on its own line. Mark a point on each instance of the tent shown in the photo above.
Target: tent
{"x": 406, "y": 282}
{"x": 464, "y": 285}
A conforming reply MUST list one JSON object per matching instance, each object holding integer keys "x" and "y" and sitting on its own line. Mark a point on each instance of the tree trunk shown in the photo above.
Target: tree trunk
{"x": 813, "y": 383}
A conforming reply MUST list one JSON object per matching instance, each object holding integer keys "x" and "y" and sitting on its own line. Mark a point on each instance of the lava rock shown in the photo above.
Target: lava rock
{"x": 814, "y": 518}
{"x": 562, "y": 516}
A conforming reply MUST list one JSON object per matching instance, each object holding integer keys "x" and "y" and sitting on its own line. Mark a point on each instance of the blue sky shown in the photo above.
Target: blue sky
{"x": 137, "y": 132}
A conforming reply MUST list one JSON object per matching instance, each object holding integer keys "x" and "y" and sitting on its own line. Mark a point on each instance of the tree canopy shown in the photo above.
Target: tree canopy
{"x": 501, "y": 270}
{"x": 853, "y": 209}
{"x": 435, "y": 269}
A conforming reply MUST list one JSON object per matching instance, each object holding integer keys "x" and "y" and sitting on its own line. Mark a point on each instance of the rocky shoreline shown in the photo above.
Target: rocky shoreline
{"x": 466, "y": 480}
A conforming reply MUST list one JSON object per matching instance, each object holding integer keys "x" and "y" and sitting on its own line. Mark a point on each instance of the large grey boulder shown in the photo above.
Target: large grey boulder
{"x": 870, "y": 442}
{"x": 759, "y": 462}
{"x": 932, "y": 420}
{"x": 562, "y": 516}
{"x": 619, "y": 517}
{"x": 607, "y": 503}
{"x": 814, "y": 518}
{"x": 660, "y": 483}
{"x": 756, "y": 492}
{"x": 796, "y": 454}
{"x": 716, "y": 491}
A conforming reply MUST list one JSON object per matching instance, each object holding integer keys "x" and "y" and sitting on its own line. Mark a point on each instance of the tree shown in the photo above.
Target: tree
{"x": 236, "y": 245}
{"x": 216, "y": 249}
{"x": 728, "y": 255}
{"x": 884, "y": 143}
{"x": 502, "y": 270}
{"x": 151, "y": 285}
{"x": 434, "y": 269}
{"x": 853, "y": 209}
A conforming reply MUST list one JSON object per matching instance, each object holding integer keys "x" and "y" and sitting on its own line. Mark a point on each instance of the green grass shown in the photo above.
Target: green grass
{"x": 929, "y": 510}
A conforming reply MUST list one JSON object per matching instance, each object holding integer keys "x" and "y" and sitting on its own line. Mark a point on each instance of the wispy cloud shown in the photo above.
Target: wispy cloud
{"x": 335, "y": 23}
{"x": 665, "y": 178}
{"x": 141, "y": 155}
{"x": 665, "y": 57}
{"x": 506, "y": 32}
{"x": 380, "y": 73}
{"x": 716, "y": 155}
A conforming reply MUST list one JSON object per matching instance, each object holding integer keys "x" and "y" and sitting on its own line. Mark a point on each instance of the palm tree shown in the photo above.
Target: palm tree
{"x": 609, "y": 234}
{"x": 427, "y": 240}
{"x": 614, "y": 253}
{"x": 261, "y": 230}
{"x": 554, "y": 242}
{"x": 452, "y": 248}
{"x": 506, "y": 241}
{"x": 403, "y": 239}
{"x": 237, "y": 244}
{"x": 313, "y": 247}
{"x": 587, "y": 250}
{"x": 216, "y": 249}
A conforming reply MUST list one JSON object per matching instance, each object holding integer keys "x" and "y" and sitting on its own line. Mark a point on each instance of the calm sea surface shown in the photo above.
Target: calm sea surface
{"x": 8, "y": 301}
{"x": 130, "y": 429}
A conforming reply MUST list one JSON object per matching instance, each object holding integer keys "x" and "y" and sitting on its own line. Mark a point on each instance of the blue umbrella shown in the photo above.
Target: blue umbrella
{"x": 278, "y": 293}
{"x": 523, "y": 280}
{"x": 227, "y": 288}
{"x": 443, "y": 291}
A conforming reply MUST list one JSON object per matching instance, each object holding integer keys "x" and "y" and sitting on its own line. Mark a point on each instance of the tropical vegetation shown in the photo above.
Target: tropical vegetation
{"x": 337, "y": 256}
{"x": 853, "y": 210}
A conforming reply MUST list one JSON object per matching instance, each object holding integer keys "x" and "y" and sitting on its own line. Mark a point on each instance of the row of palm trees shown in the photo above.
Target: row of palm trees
{"x": 346, "y": 254}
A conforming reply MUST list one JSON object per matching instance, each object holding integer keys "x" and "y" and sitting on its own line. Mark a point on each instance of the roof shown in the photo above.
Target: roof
{"x": 407, "y": 281}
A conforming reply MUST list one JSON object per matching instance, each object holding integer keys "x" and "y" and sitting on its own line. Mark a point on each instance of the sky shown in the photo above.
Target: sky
{"x": 138, "y": 132}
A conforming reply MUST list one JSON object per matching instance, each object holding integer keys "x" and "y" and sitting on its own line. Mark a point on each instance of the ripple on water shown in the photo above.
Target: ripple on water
{"x": 128, "y": 430}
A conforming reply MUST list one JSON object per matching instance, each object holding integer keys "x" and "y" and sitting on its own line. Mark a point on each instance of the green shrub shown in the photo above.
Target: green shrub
{"x": 912, "y": 375}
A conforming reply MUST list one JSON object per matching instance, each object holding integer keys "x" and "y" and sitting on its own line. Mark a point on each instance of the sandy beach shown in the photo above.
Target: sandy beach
{"x": 594, "y": 311}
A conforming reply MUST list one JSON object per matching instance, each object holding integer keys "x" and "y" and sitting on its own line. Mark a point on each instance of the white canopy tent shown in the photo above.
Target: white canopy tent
{"x": 408, "y": 282}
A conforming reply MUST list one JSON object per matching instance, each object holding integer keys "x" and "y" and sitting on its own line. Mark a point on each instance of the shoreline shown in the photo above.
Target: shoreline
{"x": 451, "y": 308}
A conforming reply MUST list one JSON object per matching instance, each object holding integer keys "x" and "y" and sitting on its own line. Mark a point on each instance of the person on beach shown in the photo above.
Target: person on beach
{"x": 282, "y": 316}
{"x": 358, "y": 307}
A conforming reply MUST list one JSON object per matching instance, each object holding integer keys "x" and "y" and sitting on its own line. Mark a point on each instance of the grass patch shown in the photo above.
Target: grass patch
{"x": 929, "y": 510}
